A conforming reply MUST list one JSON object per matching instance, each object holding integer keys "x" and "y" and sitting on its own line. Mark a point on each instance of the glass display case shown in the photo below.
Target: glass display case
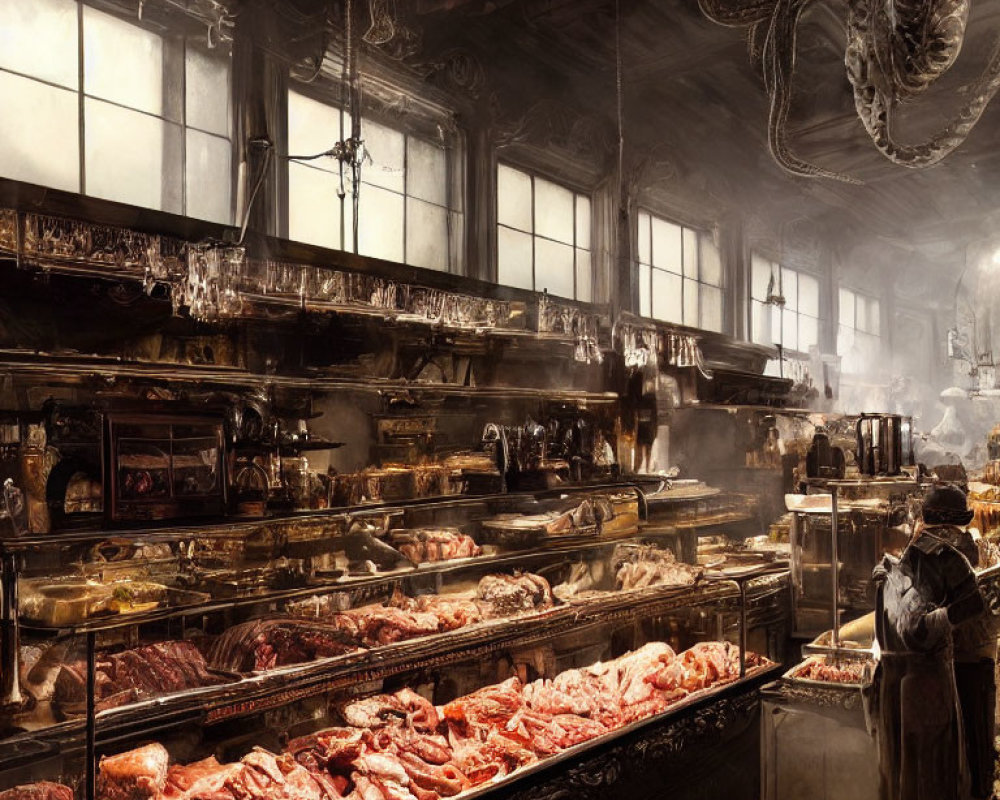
{"x": 274, "y": 628}
{"x": 165, "y": 467}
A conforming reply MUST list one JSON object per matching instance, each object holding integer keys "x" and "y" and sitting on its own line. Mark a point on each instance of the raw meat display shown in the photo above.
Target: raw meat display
{"x": 399, "y": 746}
{"x": 653, "y": 566}
{"x": 133, "y": 675}
{"x": 514, "y": 594}
{"x": 276, "y": 642}
{"x": 816, "y": 669}
{"x": 452, "y": 612}
{"x": 427, "y": 545}
{"x": 42, "y": 790}
{"x": 319, "y": 629}
{"x": 135, "y": 774}
{"x": 375, "y": 625}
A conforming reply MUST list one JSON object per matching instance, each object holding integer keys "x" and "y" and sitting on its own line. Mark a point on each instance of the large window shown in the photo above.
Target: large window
{"x": 140, "y": 118}
{"x": 859, "y": 331}
{"x": 680, "y": 274}
{"x": 543, "y": 236}
{"x": 409, "y": 208}
{"x": 793, "y": 323}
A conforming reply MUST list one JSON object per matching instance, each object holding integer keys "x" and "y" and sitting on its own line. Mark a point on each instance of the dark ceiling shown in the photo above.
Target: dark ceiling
{"x": 692, "y": 94}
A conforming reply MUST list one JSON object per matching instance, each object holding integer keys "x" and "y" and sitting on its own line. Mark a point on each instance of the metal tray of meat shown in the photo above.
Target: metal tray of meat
{"x": 518, "y": 531}
{"x": 574, "y": 752}
{"x": 793, "y": 676}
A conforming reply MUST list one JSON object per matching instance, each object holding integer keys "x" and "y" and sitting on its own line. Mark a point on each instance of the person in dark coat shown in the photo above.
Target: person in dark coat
{"x": 921, "y": 598}
{"x": 975, "y": 643}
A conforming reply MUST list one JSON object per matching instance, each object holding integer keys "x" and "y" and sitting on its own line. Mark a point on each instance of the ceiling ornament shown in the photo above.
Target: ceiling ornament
{"x": 896, "y": 50}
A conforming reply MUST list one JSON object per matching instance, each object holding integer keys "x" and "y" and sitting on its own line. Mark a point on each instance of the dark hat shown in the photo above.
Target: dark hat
{"x": 945, "y": 505}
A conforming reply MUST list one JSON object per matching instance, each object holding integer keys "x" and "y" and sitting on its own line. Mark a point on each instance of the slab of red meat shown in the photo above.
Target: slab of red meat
{"x": 427, "y": 545}
{"x": 593, "y": 692}
{"x": 489, "y": 707}
{"x": 330, "y": 750}
{"x": 635, "y": 667}
{"x": 134, "y": 775}
{"x": 571, "y": 729}
{"x": 514, "y": 594}
{"x": 709, "y": 662}
{"x": 274, "y": 777}
{"x": 452, "y": 612}
{"x": 203, "y": 780}
{"x": 386, "y": 772}
{"x": 432, "y": 748}
{"x": 544, "y": 696}
{"x": 445, "y": 780}
{"x": 404, "y": 707}
{"x": 275, "y": 642}
{"x": 42, "y": 790}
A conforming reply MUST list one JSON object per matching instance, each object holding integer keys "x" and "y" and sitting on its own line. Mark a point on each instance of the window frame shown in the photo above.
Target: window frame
{"x": 174, "y": 78}
{"x": 799, "y": 272}
{"x": 699, "y": 231}
{"x": 327, "y": 93}
{"x": 874, "y": 339}
{"x": 578, "y": 191}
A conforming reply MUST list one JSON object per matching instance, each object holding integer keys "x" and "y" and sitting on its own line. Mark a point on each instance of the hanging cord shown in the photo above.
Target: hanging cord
{"x": 354, "y": 90}
{"x": 265, "y": 164}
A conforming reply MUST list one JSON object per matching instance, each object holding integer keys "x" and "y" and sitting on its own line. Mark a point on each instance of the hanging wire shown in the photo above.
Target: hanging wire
{"x": 256, "y": 189}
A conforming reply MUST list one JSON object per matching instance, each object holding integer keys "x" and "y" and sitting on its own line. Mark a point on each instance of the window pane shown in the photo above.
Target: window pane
{"x": 846, "y": 302}
{"x": 314, "y": 127}
{"x": 808, "y": 295}
{"x": 513, "y": 198}
{"x": 427, "y": 171}
{"x": 209, "y": 177}
{"x": 39, "y": 142}
{"x": 645, "y": 291}
{"x": 644, "y": 241}
{"x": 553, "y": 211}
{"x": 666, "y": 296}
{"x": 789, "y": 330}
{"x": 711, "y": 308}
{"x": 132, "y": 157}
{"x": 583, "y": 222}
{"x": 691, "y": 303}
{"x": 313, "y": 206}
{"x": 39, "y": 38}
{"x": 761, "y": 274}
{"x": 122, "y": 62}
{"x": 777, "y": 315}
{"x": 385, "y": 146}
{"x": 666, "y": 245}
{"x": 380, "y": 223}
{"x": 808, "y": 332}
{"x": 790, "y": 290}
{"x": 554, "y": 267}
{"x": 845, "y": 340}
{"x": 514, "y": 258}
{"x": 206, "y": 87}
{"x": 584, "y": 276}
{"x": 426, "y": 235}
{"x": 690, "y": 254}
{"x": 760, "y": 323}
{"x": 874, "y": 317}
{"x": 860, "y": 312}
{"x": 711, "y": 262}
